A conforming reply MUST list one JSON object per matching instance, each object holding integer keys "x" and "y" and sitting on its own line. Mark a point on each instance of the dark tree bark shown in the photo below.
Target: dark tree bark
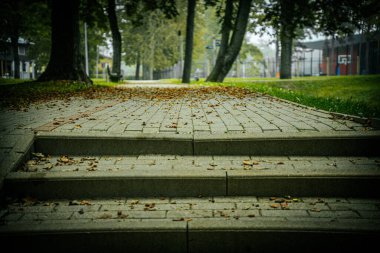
{"x": 230, "y": 45}
{"x": 286, "y": 56}
{"x": 189, "y": 40}
{"x": 66, "y": 61}
{"x": 138, "y": 64}
{"x": 116, "y": 37}
{"x": 286, "y": 37}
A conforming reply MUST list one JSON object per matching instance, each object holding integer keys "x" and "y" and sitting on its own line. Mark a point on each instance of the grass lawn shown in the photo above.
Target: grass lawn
{"x": 357, "y": 95}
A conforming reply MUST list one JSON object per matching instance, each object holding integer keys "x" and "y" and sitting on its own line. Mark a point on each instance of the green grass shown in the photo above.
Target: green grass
{"x": 357, "y": 95}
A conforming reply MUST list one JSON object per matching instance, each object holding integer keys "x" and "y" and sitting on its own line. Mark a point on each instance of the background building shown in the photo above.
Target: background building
{"x": 7, "y": 65}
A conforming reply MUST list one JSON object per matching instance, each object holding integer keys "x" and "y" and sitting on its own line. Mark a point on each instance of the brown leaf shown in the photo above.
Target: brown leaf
{"x": 64, "y": 159}
{"x": 48, "y": 166}
{"x": 275, "y": 205}
{"x": 247, "y": 162}
{"x": 85, "y": 203}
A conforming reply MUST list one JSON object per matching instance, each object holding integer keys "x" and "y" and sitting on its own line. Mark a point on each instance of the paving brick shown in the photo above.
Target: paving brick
{"x": 285, "y": 213}
{"x": 334, "y": 214}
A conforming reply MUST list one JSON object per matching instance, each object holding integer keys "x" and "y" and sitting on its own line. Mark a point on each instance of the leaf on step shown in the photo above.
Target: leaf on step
{"x": 274, "y": 205}
{"x": 48, "y": 166}
{"x": 85, "y": 203}
{"x": 38, "y": 155}
{"x": 64, "y": 159}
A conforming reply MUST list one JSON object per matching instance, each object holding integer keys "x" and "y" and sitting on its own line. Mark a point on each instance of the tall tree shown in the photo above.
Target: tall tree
{"x": 230, "y": 44}
{"x": 116, "y": 37}
{"x": 66, "y": 61}
{"x": 189, "y": 40}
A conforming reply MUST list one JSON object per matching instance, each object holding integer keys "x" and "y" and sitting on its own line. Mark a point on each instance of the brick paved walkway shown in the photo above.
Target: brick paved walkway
{"x": 291, "y": 209}
{"x": 211, "y": 114}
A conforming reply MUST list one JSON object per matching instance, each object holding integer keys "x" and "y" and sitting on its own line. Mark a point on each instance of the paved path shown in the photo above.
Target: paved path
{"x": 291, "y": 209}
{"x": 211, "y": 113}
{"x": 189, "y": 111}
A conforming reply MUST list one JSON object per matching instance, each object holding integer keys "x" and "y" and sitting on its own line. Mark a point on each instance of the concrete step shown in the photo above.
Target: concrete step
{"x": 312, "y": 144}
{"x": 213, "y": 224}
{"x": 191, "y": 176}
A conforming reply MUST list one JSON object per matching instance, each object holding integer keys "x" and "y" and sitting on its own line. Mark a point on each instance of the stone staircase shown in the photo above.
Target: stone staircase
{"x": 196, "y": 193}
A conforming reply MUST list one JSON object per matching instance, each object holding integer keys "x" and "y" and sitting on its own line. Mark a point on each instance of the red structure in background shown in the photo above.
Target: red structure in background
{"x": 357, "y": 54}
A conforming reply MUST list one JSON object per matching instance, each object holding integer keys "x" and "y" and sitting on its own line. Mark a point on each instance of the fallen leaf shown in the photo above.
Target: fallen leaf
{"x": 275, "y": 205}
{"x": 31, "y": 163}
{"x": 78, "y": 126}
{"x": 251, "y": 215}
{"x": 64, "y": 159}
{"x": 134, "y": 202}
{"x": 279, "y": 200}
{"x": 48, "y": 166}
{"x": 250, "y": 163}
{"x": 38, "y": 155}
{"x": 280, "y": 163}
{"x": 247, "y": 162}
{"x": 85, "y": 203}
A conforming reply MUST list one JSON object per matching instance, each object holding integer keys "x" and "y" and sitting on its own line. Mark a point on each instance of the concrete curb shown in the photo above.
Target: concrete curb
{"x": 114, "y": 236}
{"x": 312, "y": 144}
{"x": 169, "y": 183}
{"x": 131, "y": 144}
{"x": 198, "y": 235}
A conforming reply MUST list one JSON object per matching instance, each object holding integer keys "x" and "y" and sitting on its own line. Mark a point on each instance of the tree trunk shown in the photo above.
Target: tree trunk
{"x": 66, "y": 61}
{"x": 226, "y": 29}
{"x": 116, "y": 37}
{"x": 227, "y": 58}
{"x": 189, "y": 40}
{"x": 146, "y": 71}
{"x": 138, "y": 63}
{"x": 286, "y": 37}
{"x": 286, "y": 56}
